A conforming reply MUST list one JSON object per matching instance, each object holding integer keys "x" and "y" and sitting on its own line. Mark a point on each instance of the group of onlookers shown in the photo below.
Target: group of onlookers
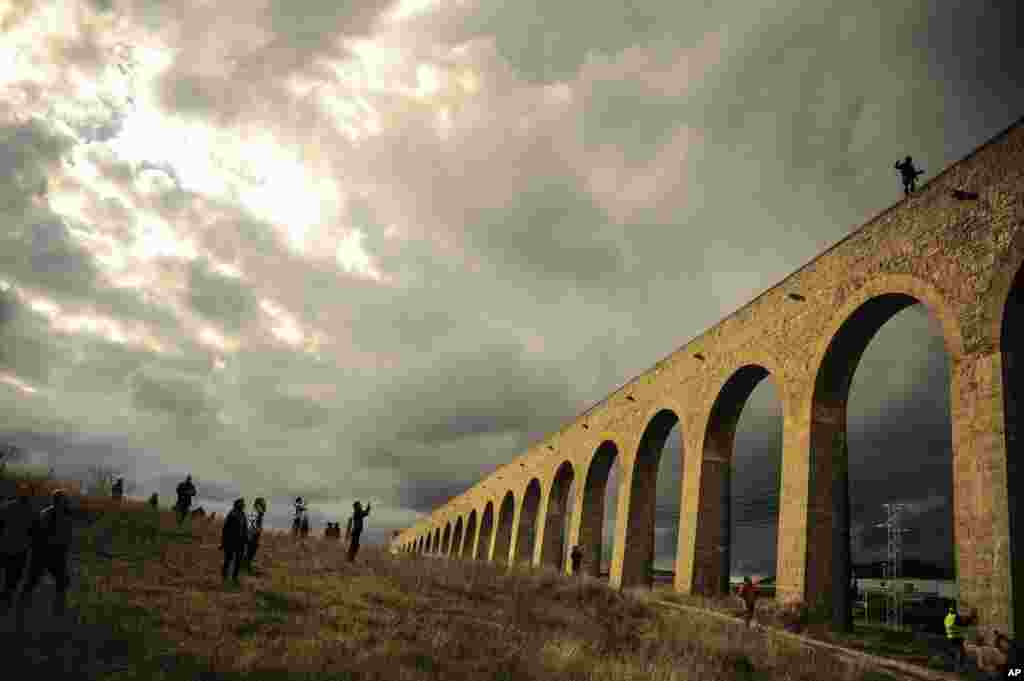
{"x": 41, "y": 540}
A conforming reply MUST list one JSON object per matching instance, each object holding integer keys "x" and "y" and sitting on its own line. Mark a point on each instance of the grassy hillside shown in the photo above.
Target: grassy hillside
{"x": 147, "y": 602}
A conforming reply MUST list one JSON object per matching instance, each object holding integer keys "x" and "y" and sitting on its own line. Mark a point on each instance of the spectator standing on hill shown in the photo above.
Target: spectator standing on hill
{"x": 51, "y": 541}
{"x": 955, "y": 635}
{"x": 255, "y": 530}
{"x": 356, "y": 522}
{"x": 300, "y": 512}
{"x": 154, "y": 500}
{"x": 186, "y": 490}
{"x": 117, "y": 490}
{"x": 16, "y": 519}
{"x": 748, "y": 594}
{"x": 233, "y": 540}
{"x": 576, "y": 556}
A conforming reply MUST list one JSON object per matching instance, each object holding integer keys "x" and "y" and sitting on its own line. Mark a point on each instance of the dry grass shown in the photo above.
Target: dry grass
{"x": 158, "y": 609}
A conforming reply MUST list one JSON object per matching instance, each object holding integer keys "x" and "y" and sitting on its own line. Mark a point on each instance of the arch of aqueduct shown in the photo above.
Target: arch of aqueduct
{"x": 962, "y": 259}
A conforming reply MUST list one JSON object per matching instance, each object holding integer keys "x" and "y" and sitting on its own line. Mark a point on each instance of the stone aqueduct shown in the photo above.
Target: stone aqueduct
{"x": 962, "y": 259}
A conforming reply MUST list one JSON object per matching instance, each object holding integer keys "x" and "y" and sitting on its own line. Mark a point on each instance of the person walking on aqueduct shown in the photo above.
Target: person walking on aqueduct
{"x": 909, "y": 174}
{"x": 356, "y": 521}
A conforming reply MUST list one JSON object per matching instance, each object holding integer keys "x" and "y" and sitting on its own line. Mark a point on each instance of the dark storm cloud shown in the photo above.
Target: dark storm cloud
{"x": 74, "y": 453}
{"x": 26, "y": 346}
{"x": 291, "y": 412}
{"x": 181, "y": 397}
{"x": 492, "y": 391}
{"x": 628, "y": 114}
{"x": 221, "y": 299}
{"x": 35, "y": 246}
{"x": 552, "y": 230}
{"x": 424, "y": 495}
{"x": 543, "y": 42}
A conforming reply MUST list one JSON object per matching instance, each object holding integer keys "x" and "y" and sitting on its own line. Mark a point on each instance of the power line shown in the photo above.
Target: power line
{"x": 894, "y": 563}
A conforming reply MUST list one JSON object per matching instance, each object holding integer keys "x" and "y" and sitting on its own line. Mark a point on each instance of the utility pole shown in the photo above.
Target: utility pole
{"x": 894, "y": 563}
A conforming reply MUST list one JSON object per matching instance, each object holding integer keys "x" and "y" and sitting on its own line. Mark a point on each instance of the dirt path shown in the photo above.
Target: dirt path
{"x": 896, "y": 668}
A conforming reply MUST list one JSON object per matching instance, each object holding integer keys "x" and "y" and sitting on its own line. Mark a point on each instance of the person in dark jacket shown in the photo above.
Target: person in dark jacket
{"x": 51, "y": 540}
{"x": 16, "y": 521}
{"x": 576, "y": 557}
{"x": 300, "y": 511}
{"x": 186, "y": 490}
{"x": 255, "y": 530}
{"x": 233, "y": 540}
{"x": 117, "y": 490}
{"x": 357, "y": 528}
{"x": 909, "y": 174}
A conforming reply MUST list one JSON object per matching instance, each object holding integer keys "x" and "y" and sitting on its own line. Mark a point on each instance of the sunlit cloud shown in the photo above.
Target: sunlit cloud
{"x": 212, "y": 338}
{"x": 284, "y": 326}
{"x": 354, "y": 259}
{"x": 135, "y": 334}
{"x": 15, "y": 382}
{"x": 407, "y": 9}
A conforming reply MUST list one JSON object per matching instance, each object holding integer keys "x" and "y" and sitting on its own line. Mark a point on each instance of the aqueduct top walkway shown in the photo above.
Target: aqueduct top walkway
{"x": 961, "y": 259}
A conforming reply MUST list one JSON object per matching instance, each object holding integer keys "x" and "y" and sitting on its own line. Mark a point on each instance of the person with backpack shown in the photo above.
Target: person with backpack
{"x": 233, "y": 540}
{"x": 51, "y": 541}
{"x": 186, "y": 490}
{"x": 356, "y": 522}
{"x": 16, "y": 521}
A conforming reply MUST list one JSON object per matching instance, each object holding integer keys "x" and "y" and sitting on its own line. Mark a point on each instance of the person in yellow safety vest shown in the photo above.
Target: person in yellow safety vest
{"x": 955, "y": 636}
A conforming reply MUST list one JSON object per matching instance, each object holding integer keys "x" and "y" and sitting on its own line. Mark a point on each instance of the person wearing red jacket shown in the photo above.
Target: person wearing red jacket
{"x": 748, "y": 594}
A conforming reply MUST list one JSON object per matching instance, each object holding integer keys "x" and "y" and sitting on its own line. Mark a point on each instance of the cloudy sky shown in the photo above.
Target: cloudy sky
{"x": 374, "y": 249}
